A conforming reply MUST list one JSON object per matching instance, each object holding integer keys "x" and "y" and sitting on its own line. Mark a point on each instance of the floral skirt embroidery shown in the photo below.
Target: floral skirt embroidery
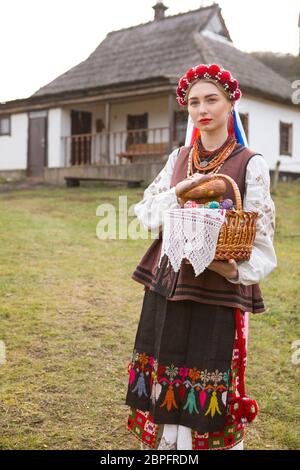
{"x": 181, "y": 390}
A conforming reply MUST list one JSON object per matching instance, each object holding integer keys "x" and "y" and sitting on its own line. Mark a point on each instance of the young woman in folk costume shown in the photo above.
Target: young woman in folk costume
{"x": 186, "y": 385}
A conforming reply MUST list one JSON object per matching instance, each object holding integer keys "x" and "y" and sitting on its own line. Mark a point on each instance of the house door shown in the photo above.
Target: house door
{"x": 81, "y": 123}
{"x": 134, "y": 123}
{"x": 37, "y": 143}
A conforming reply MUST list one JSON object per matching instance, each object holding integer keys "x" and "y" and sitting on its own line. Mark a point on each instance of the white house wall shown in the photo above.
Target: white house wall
{"x": 264, "y": 119}
{"x": 13, "y": 148}
{"x": 264, "y": 135}
{"x": 157, "y": 110}
{"x": 59, "y": 124}
{"x": 215, "y": 25}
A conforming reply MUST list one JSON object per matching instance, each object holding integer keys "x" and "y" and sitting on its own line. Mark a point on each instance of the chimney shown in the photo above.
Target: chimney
{"x": 159, "y": 10}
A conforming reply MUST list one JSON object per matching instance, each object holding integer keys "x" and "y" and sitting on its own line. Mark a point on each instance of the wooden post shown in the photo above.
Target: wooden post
{"x": 171, "y": 121}
{"x": 107, "y": 130}
{"x": 275, "y": 177}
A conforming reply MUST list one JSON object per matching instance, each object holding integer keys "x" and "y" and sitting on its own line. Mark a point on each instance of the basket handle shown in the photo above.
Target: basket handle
{"x": 235, "y": 188}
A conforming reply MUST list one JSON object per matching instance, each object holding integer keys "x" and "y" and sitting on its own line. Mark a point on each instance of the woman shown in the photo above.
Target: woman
{"x": 187, "y": 367}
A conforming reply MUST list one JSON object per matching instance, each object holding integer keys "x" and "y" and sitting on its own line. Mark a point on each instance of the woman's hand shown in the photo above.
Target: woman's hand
{"x": 228, "y": 269}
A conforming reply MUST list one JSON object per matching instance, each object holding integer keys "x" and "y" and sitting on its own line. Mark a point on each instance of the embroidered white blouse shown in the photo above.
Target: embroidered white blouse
{"x": 158, "y": 197}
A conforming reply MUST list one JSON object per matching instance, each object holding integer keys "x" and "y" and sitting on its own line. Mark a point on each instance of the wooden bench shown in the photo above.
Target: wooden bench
{"x": 137, "y": 150}
{"x": 74, "y": 181}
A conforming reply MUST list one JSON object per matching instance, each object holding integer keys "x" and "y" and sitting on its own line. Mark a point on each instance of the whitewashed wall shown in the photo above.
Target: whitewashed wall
{"x": 157, "y": 110}
{"x": 264, "y": 118}
{"x": 264, "y": 135}
{"x": 59, "y": 124}
{"x": 13, "y": 148}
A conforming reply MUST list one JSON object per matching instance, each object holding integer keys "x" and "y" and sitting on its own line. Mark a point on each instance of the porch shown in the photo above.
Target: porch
{"x": 124, "y": 139}
{"x": 121, "y": 132}
{"x": 115, "y": 148}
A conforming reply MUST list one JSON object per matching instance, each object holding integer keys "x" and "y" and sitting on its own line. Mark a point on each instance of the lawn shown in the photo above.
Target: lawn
{"x": 69, "y": 313}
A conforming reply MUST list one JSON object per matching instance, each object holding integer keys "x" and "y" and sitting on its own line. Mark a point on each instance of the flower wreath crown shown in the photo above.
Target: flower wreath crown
{"x": 213, "y": 72}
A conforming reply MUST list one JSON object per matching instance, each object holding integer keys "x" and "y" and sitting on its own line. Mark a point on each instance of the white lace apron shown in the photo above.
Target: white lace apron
{"x": 191, "y": 234}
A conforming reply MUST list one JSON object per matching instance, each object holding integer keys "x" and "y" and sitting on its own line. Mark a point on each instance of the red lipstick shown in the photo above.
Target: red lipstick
{"x": 205, "y": 121}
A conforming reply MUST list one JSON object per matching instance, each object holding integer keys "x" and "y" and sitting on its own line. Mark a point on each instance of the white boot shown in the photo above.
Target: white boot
{"x": 169, "y": 437}
{"x": 239, "y": 446}
{"x": 184, "y": 438}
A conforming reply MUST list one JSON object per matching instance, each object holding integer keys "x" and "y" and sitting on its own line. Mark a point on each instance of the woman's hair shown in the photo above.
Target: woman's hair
{"x": 209, "y": 80}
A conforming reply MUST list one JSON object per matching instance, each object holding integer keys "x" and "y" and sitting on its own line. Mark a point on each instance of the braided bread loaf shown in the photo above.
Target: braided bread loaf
{"x": 208, "y": 188}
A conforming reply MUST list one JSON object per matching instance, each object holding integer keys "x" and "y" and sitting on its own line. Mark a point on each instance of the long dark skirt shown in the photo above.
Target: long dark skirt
{"x": 181, "y": 362}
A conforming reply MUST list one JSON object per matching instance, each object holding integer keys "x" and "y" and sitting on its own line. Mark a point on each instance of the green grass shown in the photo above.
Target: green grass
{"x": 69, "y": 313}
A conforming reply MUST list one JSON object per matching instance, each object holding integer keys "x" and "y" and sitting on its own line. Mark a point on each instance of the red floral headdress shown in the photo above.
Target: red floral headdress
{"x": 213, "y": 72}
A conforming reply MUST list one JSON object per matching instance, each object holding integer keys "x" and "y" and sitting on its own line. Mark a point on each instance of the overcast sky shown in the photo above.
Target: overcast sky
{"x": 41, "y": 39}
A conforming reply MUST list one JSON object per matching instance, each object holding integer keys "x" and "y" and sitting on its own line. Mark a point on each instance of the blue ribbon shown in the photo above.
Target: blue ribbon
{"x": 237, "y": 130}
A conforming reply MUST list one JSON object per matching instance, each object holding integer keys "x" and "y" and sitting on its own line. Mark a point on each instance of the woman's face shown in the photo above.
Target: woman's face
{"x": 208, "y": 107}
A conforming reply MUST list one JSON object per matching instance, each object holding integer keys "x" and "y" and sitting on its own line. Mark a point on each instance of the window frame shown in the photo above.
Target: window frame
{"x": 282, "y": 150}
{"x": 2, "y": 117}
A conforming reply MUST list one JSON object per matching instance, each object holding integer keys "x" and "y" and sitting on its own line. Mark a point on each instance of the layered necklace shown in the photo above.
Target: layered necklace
{"x": 202, "y": 160}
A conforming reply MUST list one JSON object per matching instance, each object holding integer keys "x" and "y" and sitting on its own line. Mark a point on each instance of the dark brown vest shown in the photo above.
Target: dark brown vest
{"x": 208, "y": 287}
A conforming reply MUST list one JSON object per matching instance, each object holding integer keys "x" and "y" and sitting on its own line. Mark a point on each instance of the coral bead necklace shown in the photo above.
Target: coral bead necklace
{"x": 214, "y": 162}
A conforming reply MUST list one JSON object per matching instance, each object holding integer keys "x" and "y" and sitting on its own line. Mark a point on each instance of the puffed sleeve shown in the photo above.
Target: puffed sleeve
{"x": 158, "y": 197}
{"x": 258, "y": 198}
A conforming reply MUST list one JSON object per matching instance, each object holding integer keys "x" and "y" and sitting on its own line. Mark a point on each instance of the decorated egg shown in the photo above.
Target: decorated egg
{"x": 214, "y": 205}
{"x": 190, "y": 204}
{"x": 227, "y": 204}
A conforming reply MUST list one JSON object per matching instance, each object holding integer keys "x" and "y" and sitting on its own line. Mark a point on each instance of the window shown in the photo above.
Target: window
{"x": 4, "y": 125}
{"x": 180, "y": 126}
{"x": 245, "y": 121}
{"x": 137, "y": 126}
{"x": 286, "y": 134}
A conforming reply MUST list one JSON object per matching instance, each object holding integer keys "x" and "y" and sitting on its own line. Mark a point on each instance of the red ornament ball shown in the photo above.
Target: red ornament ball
{"x": 233, "y": 85}
{"x": 201, "y": 70}
{"x": 225, "y": 76}
{"x": 180, "y": 92}
{"x": 190, "y": 75}
{"x": 183, "y": 83}
{"x": 237, "y": 94}
{"x": 213, "y": 70}
{"x": 244, "y": 409}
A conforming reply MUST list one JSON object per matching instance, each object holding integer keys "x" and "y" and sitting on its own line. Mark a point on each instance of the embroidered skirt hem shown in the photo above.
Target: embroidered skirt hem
{"x": 184, "y": 370}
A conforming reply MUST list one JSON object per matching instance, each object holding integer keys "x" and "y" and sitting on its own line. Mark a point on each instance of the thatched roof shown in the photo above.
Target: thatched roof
{"x": 158, "y": 48}
{"x": 166, "y": 48}
{"x": 162, "y": 50}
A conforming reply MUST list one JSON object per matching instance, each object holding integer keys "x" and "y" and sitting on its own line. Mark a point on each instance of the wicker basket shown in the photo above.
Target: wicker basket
{"x": 237, "y": 233}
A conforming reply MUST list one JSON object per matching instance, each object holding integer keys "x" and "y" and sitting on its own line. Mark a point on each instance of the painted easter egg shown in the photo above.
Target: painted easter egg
{"x": 190, "y": 204}
{"x": 214, "y": 205}
{"x": 227, "y": 204}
